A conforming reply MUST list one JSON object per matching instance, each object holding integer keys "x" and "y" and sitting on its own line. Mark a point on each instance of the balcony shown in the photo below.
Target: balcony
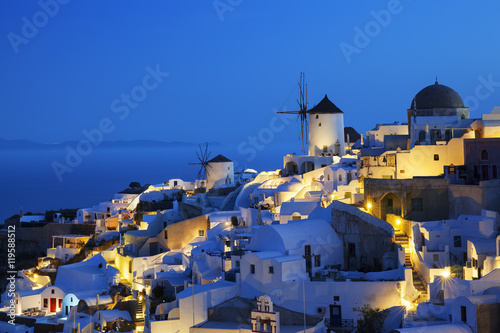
{"x": 340, "y": 325}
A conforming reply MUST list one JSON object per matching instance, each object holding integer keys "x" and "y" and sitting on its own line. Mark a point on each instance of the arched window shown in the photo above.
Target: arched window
{"x": 484, "y": 155}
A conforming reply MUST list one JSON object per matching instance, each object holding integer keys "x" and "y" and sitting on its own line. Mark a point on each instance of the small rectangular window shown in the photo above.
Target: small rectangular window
{"x": 351, "y": 249}
{"x": 421, "y": 136}
{"x": 435, "y": 257}
{"x": 336, "y": 298}
{"x": 165, "y": 233}
{"x": 317, "y": 260}
{"x": 271, "y": 270}
{"x": 252, "y": 269}
{"x": 237, "y": 263}
{"x": 340, "y": 178}
{"x": 319, "y": 124}
{"x": 45, "y": 302}
{"x": 401, "y": 171}
{"x": 307, "y": 250}
{"x": 417, "y": 205}
{"x": 201, "y": 232}
{"x": 457, "y": 241}
{"x": 436, "y": 157}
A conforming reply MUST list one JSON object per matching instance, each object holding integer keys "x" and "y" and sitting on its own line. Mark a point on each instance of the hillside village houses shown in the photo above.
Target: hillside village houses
{"x": 403, "y": 219}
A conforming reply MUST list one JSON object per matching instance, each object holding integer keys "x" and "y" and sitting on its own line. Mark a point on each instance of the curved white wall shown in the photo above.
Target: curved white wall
{"x": 325, "y": 129}
{"x": 218, "y": 173}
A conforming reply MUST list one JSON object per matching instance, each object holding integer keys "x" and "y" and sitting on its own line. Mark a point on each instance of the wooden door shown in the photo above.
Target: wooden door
{"x": 53, "y": 302}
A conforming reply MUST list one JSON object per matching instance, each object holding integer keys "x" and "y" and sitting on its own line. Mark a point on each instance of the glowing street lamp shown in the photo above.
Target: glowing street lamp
{"x": 369, "y": 206}
{"x": 446, "y": 274}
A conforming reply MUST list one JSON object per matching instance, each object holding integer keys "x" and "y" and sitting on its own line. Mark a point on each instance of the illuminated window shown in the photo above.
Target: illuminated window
{"x": 319, "y": 124}
{"x": 45, "y": 302}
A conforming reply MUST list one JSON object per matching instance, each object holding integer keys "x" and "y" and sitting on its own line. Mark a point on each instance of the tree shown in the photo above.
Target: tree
{"x": 138, "y": 217}
{"x": 234, "y": 221}
{"x": 158, "y": 291}
{"x": 372, "y": 320}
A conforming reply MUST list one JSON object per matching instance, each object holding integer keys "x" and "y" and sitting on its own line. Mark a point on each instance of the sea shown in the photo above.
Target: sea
{"x": 36, "y": 178}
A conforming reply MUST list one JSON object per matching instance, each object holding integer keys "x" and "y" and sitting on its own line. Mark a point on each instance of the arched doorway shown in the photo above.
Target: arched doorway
{"x": 390, "y": 204}
{"x": 307, "y": 166}
{"x": 291, "y": 168}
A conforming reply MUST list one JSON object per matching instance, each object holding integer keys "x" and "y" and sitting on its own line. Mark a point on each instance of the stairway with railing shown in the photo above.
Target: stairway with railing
{"x": 402, "y": 239}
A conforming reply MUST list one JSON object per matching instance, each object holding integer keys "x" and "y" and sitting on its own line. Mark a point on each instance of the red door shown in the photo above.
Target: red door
{"x": 53, "y": 302}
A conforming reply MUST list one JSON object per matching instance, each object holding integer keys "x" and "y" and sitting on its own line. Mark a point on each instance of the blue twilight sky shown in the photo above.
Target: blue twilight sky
{"x": 230, "y": 63}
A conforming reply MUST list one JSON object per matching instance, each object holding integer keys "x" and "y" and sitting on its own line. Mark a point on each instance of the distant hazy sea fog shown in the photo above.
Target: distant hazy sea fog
{"x": 29, "y": 181}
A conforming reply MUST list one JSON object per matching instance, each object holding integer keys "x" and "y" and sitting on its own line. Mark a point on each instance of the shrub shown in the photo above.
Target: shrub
{"x": 372, "y": 320}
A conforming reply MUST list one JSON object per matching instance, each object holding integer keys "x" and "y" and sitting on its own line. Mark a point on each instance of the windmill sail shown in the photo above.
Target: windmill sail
{"x": 302, "y": 113}
{"x": 203, "y": 157}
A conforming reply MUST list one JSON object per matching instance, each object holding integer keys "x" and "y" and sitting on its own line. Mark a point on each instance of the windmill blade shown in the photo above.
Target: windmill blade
{"x": 288, "y": 112}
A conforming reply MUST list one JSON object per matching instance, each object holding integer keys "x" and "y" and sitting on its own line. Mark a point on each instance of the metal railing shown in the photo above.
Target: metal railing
{"x": 339, "y": 323}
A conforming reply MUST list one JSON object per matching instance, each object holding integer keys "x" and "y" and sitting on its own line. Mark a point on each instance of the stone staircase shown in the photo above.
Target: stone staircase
{"x": 139, "y": 312}
{"x": 401, "y": 239}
